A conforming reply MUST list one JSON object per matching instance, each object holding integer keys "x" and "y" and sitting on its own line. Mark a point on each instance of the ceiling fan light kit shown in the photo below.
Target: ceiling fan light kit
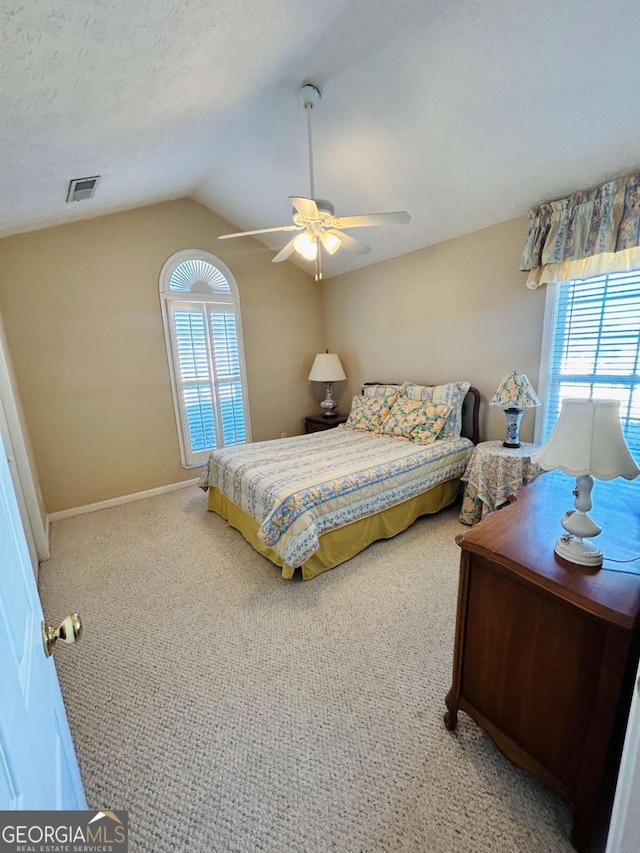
{"x": 315, "y": 218}
{"x": 330, "y": 241}
{"x": 306, "y": 246}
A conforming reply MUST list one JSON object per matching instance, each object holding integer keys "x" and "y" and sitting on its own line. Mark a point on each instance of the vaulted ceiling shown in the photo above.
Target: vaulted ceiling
{"x": 463, "y": 112}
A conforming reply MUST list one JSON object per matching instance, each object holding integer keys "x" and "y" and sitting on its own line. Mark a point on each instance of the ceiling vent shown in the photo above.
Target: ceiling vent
{"x": 81, "y": 188}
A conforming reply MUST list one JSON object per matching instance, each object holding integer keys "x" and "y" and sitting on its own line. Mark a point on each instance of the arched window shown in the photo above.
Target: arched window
{"x": 203, "y": 334}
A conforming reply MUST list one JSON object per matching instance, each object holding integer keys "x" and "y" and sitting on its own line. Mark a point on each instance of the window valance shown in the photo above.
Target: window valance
{"x": 592, "y": 232}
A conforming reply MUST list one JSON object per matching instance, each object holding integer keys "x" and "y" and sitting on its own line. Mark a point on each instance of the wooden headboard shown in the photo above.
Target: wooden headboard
{"x": 471, "y": 415}
{"x": 470, "y": 410}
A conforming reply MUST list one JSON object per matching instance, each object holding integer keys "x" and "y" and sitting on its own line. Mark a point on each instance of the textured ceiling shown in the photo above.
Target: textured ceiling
{"x": 463, "y": 112}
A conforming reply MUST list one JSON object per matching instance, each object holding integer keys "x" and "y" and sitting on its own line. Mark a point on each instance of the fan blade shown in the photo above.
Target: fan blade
{"x": 305, "y": 206}
{"x": 283, "y": 254}
{"x": 350, "y": 242}
{"x": 260, "y": 231}
{"x": 396, "y": 217}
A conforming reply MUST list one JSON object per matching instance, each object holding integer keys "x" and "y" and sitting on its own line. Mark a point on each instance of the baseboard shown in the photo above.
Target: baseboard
{"x": 125, "y": 499}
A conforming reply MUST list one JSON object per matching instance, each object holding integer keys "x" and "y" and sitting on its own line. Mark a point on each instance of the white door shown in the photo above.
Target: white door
{"x": 38, "y": 767}
{"x": 624, "y": 829}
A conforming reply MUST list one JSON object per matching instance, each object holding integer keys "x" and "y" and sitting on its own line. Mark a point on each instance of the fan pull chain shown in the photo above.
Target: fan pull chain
{"x": 319, "y": 262}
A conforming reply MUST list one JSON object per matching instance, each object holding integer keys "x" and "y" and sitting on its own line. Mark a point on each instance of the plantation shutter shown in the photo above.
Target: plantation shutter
{"x": 195, "y": 376}
{"x": 228, "y": 381}
{"x": 209, "y": 374}
{"x": 203, "y": 333}
{"x": 595, "y": 348}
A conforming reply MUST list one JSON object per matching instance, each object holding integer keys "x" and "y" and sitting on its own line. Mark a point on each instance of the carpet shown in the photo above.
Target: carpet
{"x": 230, "y": 710}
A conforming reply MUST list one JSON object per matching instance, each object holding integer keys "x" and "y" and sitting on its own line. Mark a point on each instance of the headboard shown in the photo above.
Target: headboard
{"x": 470, "y": 410}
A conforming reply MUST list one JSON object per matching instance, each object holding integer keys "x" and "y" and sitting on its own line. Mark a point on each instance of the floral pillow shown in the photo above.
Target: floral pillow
{"x": 369, "y": 413}
{"x": 404, "y": 417}
{"x": 380, "y": 390}
{"x": 436, "y": 419}
{"x": 452, "y": 395}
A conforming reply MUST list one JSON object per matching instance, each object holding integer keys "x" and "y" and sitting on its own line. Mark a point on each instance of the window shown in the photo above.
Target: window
{"x": 203, "y": 334}
{"x": 593, "y": 344}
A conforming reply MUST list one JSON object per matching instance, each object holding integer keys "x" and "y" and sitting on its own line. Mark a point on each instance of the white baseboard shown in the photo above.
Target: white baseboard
{"x": 125, "y": 499}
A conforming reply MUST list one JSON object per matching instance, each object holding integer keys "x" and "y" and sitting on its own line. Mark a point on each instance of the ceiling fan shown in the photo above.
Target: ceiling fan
{"x": 314, "y": 218}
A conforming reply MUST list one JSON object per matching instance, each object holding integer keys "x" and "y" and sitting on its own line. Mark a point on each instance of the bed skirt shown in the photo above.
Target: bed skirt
{"x": 341, "y": 544}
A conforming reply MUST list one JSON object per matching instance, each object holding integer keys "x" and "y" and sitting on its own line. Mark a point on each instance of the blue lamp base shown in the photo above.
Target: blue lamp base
{"x": 513, "y": 416}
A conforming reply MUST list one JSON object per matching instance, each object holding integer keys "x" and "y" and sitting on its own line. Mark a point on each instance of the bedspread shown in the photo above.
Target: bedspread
{"x": 298, "y": 488}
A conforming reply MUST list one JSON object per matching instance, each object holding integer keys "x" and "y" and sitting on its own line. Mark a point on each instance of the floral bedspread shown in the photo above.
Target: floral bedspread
{"x": 298, "y": 488}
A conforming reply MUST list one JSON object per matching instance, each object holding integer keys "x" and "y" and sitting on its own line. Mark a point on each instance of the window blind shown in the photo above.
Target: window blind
{"x": 595, "y": 348}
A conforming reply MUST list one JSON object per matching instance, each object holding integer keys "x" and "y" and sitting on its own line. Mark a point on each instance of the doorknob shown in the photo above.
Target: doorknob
{"x": 69, "y": 630}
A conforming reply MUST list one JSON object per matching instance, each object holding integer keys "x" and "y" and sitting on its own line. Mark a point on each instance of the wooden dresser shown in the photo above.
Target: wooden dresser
{"x": 546, "y": 651}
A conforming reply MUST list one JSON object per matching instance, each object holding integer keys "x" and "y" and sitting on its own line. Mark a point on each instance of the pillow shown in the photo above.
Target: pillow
{"x": 436, "y": 419}
{"x": 452, "y": 395}
{"x": 380, "y": 390}
{"x": 369, "y": 413}
{"x": 404, "y": 417}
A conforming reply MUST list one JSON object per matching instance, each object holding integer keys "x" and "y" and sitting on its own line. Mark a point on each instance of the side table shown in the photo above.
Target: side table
{"x": 494, "y": 472}
{"x": 318, "y": 423}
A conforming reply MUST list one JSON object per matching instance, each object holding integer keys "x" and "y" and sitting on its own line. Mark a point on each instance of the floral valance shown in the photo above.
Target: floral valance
{"x": 589, "y": 233}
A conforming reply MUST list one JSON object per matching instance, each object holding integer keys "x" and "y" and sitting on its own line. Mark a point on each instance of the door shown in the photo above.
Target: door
{"x": 624, "y": 829}
{"x": 38, "y": 767}
{"x": 16, "y": 446}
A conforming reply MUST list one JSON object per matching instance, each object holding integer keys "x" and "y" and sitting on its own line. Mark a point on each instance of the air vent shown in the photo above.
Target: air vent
{"x": 81, "y": 188}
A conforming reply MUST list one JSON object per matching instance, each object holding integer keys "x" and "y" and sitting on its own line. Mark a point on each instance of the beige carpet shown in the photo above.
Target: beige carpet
{"x": 230, "y": 710}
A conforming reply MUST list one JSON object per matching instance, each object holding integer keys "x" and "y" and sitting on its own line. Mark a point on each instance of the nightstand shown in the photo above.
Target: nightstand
{"x": 318, "y": 423}
{"x": 493, "y": 474}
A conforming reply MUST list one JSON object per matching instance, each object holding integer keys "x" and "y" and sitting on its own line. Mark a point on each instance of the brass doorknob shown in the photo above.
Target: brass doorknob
{"x": 69, "y": 631}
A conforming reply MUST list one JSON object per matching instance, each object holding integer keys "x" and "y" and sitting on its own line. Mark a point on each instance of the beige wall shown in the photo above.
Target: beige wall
{"x": 82, "y": 316}
{"x": 456, "y": 310}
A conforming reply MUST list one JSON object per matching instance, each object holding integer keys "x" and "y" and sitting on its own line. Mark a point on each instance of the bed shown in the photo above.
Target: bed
{"x": 314, "y": 501}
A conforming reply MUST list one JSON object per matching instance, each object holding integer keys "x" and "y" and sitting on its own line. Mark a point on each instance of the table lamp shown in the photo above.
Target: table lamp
{"x": 586, "y": 442}
{"x": 514, "y": 394}
{"x": 327, "y": 368}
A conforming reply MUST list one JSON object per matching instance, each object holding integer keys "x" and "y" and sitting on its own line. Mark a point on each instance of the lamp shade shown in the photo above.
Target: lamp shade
{"x": 330, "y": 241}
{"x": 326, "y": 368}
{"x": 306, "y": 245}
{"x": 515, "y": 392}
{"x": 587, "y": 439}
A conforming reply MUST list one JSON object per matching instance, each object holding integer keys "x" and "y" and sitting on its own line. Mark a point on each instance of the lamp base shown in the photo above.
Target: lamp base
{"x": 329, "y": 405}
{"x": 513, "y": 416}
{"x": 579, "y": 524}
{"x": 576, "y": 550}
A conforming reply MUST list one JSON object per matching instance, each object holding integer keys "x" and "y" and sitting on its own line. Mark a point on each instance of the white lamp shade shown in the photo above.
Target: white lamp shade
{"x": 587, "y": 439}
{"x": 326, "y": 368}
{"x": 330, "y": 241}
{"x": 515, "y": 392}
{"x": 306, "y": 245}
